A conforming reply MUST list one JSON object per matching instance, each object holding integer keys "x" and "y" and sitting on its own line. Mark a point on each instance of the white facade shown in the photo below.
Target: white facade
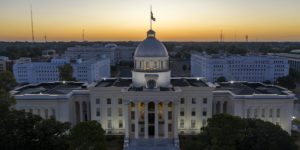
{"x": 254, "y": 68}
{"x": 293, "y": 59}
{"x": 2, "y": 66}
{"x": 26, "y": 71}
{"x": 112, "y": 51}
{"x": 3, "y": 61}
{"x": 65, "y": 101}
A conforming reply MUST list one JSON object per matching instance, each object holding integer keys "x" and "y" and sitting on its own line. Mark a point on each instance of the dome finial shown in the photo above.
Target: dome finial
{"x": 151, "y": 33}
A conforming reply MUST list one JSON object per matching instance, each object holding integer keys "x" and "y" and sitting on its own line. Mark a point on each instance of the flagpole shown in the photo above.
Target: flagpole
{"x": 150, "y": 17}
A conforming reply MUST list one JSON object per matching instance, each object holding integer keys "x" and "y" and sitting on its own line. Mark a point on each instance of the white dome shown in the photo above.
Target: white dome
{"x": 151, "y": 47}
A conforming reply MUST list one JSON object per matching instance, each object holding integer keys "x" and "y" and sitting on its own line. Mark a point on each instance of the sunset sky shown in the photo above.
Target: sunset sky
{"x": 177, "y": 20}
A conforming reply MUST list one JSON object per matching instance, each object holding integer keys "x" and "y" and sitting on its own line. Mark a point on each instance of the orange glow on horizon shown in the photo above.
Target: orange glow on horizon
{"x": 177, "y": 20}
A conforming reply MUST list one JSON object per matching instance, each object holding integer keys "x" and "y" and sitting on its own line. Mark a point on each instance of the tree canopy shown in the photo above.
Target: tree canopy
{"x": 87, "y": 135}
{"x": 24, "y": 130}
{"x": 287, "y": 82}
{"x": 221, "y": 79}
{"x": 226, "y": 132}
{"x": 7, "y": 80}
{"x": 66, "y": 72}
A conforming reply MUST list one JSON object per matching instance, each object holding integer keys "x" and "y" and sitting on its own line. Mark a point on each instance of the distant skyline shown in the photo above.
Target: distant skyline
{"x": 124, "y": 20}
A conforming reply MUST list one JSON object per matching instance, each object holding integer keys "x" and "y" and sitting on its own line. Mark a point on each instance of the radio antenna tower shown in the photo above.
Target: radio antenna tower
{"x": 45, "y": 37}
{"x": 221, "y": 36}
{"x": 32, "y": 33}
{"x": 83, "y": 35}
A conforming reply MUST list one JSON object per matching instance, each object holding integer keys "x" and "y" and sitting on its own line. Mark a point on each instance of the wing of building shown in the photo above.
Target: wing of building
{"x": 152, "y": 104}
{"x": 254, "y": 68}
{"x": 27, "y": 71}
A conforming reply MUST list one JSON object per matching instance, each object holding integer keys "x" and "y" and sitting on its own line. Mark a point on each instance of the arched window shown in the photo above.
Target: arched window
{"x": 151, "y": 84}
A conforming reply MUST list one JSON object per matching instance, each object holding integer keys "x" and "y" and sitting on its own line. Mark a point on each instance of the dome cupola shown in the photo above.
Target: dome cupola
{"x": 151, "y": 47}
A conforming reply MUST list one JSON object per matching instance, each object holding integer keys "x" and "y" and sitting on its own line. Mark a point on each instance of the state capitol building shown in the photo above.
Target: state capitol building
{"x": 152, "y": 104}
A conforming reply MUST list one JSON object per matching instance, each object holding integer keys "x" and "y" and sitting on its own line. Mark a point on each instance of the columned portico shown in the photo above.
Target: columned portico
{"x": 136, "y": 120}
{"x": 165, "y": 107}
{"x": 126, "y": 119}
{"x": 150, "y": 120}
{"x": 156, "y": 120}
{"x": 146, "y": 126}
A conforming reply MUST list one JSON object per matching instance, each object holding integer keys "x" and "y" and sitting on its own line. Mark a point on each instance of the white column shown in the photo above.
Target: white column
{"x": 156, "y": 120}
{"x": 175, "y": 119}
{"x": 166, "y": 120}
{"x": 126, "y": 119}
{"x": 221, "y": 107}
{"x": 146, "y": 121}
{"x": 80, "y": 112}
{"x": 42, "y": 113}
{"x": 214, "y": 108}
{"x": 88, "y": 110}
{"x": 136, "y": 120}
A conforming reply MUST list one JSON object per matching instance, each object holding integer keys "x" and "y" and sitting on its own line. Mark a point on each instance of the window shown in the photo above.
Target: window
{"x": 53, "y": 113}
{"x": 120, "y": 123}
{"x": 204, "y": 112}
{"x": 255, "y": 113}
{"x": 98, "y": 112}
{"x": 170, "y": 115}
{"x": 132, "y": 127}
{"x": 46, "y": 113}
{"x": 193, "y": 124}
{"x": 120, "y": 112}
{"x": 204, "y": 100}
{"x": 193, "y": 100}
{"x": 170, "y": 127}
{"x": 278, "y": 113}
{"x": 181, "y": 123}
{"x": 193, "y": 112}
{"x": 271, "y": 113}
{"x": 109, "y": 124}
{"x": 109, "y": 112}
{"x": 132, "y": 115}
{"x": 120, "y": 101}
{"x": 108, "y": 101}
{"x": 181, "y": 112}
{"x": 263, "y": 113}
{"x": 182, "y": 101}
{"x": 97, "y": 101}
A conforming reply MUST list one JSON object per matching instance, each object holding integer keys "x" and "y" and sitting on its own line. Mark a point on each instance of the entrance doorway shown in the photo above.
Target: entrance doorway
{"x": 151, "y": 130}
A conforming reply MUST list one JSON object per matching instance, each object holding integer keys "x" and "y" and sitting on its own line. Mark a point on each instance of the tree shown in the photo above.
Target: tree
{"x": 24, "y": 130}
{"x": 267, "y": 82}
{"x": 222, "y": 133}
{"x": 221, "y": 79}
{"x": 287, "y": 82}
{"x": 52, "y": 134}
{"x": 87, "y": 135}
{"x": 7, "y": 80}
{"x": 66, "y": 73}
{"x": 262, "y": 135}
{"x": 6, "y": 101}
{"x": 226, "y": 132}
